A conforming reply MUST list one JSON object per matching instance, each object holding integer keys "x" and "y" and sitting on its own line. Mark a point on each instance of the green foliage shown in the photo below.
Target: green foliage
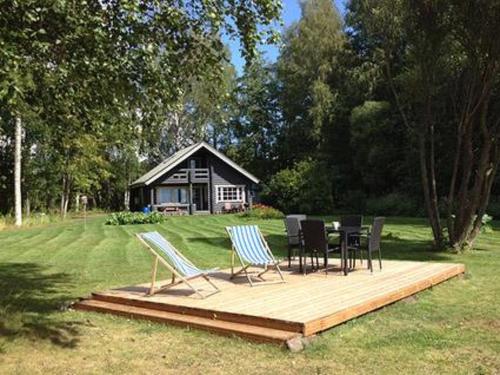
{"x": 305, "y": 188}
{"x": 394, "y": 204}
{"x": 308, "y": 71}
{"x": 94, "y": 80}
{"x": 42, "y": 268}
{"x": 494, "y": 207}
{"x": 352, "y": 201}
{"x": 428, "y": 55}
{"x": 261, "y": 211}
{"x": 43, "y": 218}
{"x": 257, "y": 121}
{"x": 204, "y": 112}
{"x": 486, "y": 223}
{"x": 339, "y": 121}
{"x": 379, "y": 160}
{"x": 127, "y": 218}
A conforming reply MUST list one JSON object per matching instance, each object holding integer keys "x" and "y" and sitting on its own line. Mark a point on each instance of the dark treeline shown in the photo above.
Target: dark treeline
{"x": 393, "y": 109}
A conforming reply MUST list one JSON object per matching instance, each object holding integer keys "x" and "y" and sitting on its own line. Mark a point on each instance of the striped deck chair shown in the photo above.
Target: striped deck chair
{"x": 252, "y": 249}
{"x": 177, "y": 264}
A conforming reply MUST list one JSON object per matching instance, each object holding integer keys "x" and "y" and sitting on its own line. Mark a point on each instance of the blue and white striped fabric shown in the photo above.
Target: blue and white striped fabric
{"x": 249, "y": 244}
{"x": 183, "y": 267}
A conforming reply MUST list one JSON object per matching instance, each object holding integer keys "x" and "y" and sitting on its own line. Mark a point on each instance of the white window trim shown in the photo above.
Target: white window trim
{"x": 243, "y": 195}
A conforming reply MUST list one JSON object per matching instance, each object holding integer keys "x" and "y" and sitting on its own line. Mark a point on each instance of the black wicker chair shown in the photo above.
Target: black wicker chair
{"x": 315, "y": 243}
{"x": 373, "y": 243}
{"x": 354, "y": 240}
{"x": 293, "y": 234}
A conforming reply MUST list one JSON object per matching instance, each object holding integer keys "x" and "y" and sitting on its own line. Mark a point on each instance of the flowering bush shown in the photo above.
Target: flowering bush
{"x": 261, "y": 211}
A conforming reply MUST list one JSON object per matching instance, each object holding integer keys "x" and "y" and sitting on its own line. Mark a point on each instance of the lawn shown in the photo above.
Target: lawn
{"x": 453, "y": 328}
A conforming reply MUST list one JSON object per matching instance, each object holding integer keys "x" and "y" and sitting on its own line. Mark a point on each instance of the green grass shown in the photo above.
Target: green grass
{"x": 453, "y": 328}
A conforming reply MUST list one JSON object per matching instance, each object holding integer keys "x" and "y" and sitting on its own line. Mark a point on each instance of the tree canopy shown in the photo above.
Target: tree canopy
{"x": 390, "y": 109}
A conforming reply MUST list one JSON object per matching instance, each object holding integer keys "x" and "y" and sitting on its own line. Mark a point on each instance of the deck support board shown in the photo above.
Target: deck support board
{"x": 305, "y": 305}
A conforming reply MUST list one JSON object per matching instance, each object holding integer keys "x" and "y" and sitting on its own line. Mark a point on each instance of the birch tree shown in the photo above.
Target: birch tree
{"x": 17, "y": 173}
{"x": 80, "y": 65}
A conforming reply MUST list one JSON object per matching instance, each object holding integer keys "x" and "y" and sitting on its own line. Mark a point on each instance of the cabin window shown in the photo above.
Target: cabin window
{"x": 171, "y": 195}
{"x": 230, "y": 193}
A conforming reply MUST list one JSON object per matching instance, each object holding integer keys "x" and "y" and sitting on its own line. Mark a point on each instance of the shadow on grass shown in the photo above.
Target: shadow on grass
{"x": 393, "y": 247}
{"x": 28, "y": 298}
{"x": 396, "y": 248}
{"x": 277, "y": 243}
{"x": 211, "y": 241}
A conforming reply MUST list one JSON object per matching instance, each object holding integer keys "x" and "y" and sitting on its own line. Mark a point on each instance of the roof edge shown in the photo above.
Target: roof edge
{"x": 194, "y": 149}
{"x": 231, "y": 163}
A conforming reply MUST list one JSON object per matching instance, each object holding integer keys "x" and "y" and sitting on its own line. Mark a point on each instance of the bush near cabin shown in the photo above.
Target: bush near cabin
{"x": 126, "y": 218}
{"x": 261, "y": 211}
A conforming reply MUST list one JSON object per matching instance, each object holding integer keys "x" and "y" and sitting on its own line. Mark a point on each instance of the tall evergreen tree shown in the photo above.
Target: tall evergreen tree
{"x": 257, "y": 123}
{"x": 307, "y": 69}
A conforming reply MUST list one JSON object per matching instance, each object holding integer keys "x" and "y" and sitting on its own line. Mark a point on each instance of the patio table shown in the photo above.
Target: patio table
{"x": 345, "y": 232}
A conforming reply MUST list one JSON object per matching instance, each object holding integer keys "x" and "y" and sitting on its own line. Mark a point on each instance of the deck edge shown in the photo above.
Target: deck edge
{"x": 330, "y": 321}
{"x": 264, "y": 322}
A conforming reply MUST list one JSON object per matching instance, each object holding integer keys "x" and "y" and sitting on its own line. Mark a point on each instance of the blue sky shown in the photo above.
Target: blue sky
{"x": 290, "y": 13}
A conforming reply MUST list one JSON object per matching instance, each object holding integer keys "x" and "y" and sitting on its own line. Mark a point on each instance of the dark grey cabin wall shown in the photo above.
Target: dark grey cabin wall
{"x": 140, "y": 197}
{"x": 223, "y": 174}
{"x": 220, "y": 174}
{"x": 167, "y": 179}
{"x": 142, "y": 194}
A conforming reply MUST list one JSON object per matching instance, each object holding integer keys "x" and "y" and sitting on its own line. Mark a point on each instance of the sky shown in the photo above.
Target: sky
{"x": 290, "y": 13}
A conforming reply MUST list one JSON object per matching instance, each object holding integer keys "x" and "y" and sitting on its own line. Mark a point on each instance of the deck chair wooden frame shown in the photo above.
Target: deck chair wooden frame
{"x": 244, "y": 267}
{"x": 175, "y": 273}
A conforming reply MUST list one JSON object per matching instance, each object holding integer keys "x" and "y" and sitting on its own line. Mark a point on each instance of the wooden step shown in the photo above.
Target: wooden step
{"x": 203, "y": 312}
{"x": 247, "y": 331}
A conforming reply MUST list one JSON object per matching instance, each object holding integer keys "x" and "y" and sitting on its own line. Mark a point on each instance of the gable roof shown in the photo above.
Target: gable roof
{"x": 181, "y": 155}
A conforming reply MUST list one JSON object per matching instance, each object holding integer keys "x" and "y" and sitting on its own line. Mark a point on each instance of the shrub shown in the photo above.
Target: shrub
{"x": 125, "y": 218}
{"x": 494, "y": 207}
{"x": 394, "y": 204}
{"x": 261, "y": 211}
{"x": 42, "y": 218}
{"x": 353, "y": 201}
{"x": 486, "y": 225}
{"x": 306, "y": 188}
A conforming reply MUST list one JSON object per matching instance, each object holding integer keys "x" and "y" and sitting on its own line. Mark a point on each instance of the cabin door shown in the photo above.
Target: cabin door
{"x": 200, "y": 197}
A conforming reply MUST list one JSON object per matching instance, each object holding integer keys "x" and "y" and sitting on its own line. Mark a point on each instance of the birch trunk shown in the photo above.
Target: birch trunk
{"x": 61, "y": 203}
{"x": 65, "y": 195}
{"x": 27, "y": 206}
{"x": 17, "y": 173}
{"x": 126, "y": 200}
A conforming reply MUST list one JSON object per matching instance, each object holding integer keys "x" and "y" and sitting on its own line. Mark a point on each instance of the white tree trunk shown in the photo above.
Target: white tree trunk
{"x": 65, "y": 196}
{"x": 66, "y": 201}
{"x": 17, "y": 173}
{"x": 27, "y": 207}
{"x": 126, "y": 200}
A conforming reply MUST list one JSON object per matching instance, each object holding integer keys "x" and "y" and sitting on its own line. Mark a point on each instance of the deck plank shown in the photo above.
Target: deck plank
{"x": 305, "y": 304}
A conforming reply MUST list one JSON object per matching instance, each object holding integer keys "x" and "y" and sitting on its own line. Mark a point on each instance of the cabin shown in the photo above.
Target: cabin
{"x": 196, "y": 179}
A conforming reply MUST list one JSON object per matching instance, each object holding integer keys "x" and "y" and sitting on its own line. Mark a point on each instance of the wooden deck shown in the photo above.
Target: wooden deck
{"x": 303, "y": 306}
